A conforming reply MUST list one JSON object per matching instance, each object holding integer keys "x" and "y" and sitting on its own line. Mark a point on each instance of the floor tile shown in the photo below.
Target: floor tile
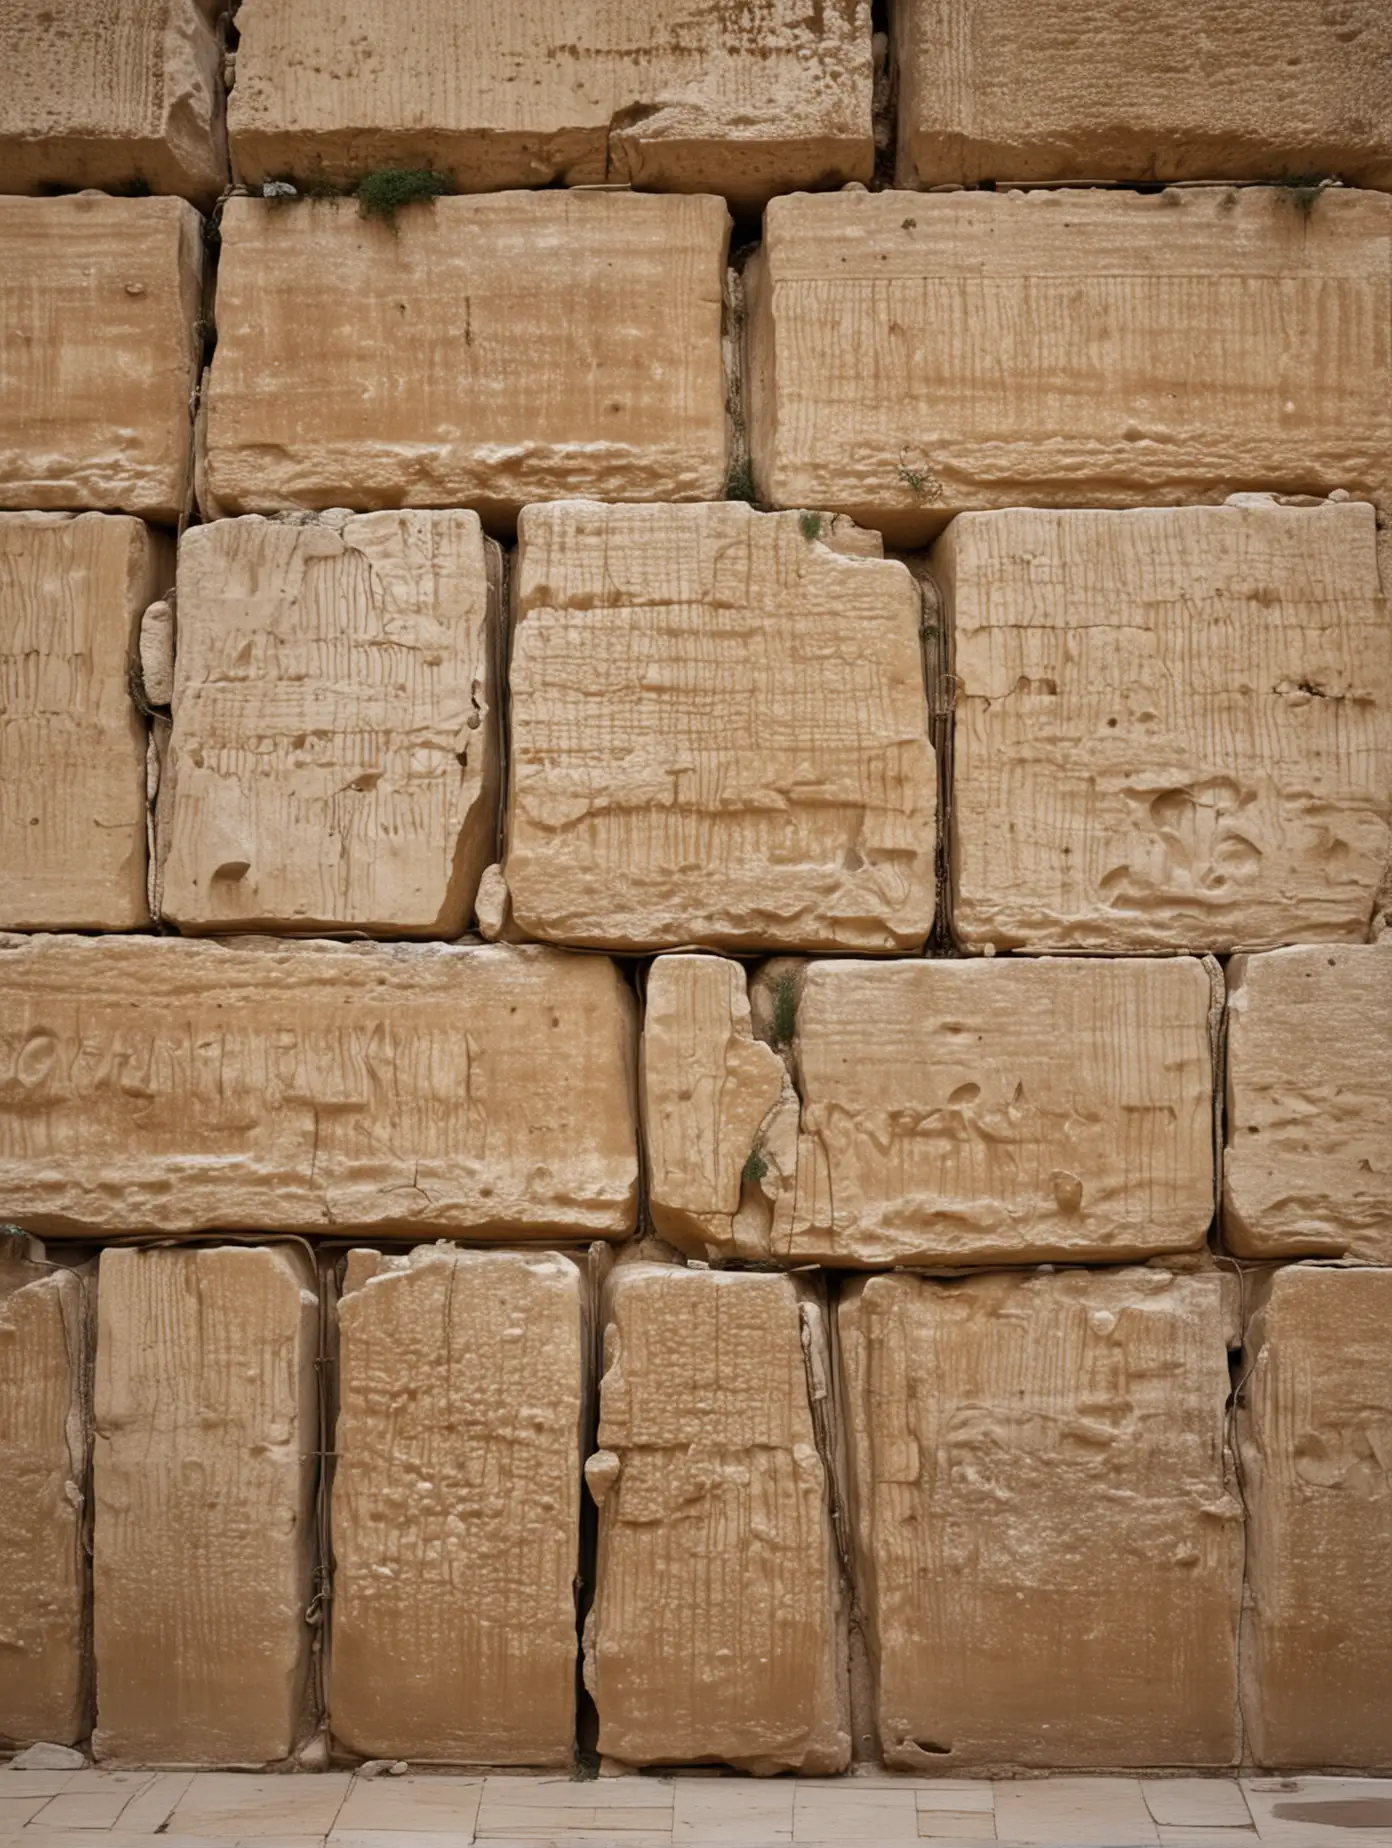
{"x": 401, "y": 1805}
{"x": 32, "y": 1783}
{"x": 87, "y": 1809}
{"x": 960, "y": 1825}
{"x": 825, "y": 1812}
{"x": 751, "y": 1811}
{"x": 552, "y": 1806}
{"x": 95, "y": 1778}
{"x": 957, "y": 1794}
{"x": 1172, "y": 1836}
{"x": 1196, "y": 1802}
{"x": 1303, "y": 1812}
{"x": 16, "y": 1811}
{"x": 228, "y": 1804}
{"x": 400, "y": 1838}
{"x": 1076, "y": 1811}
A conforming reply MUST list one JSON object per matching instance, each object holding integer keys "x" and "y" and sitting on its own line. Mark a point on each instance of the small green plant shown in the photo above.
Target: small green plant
{"x": 739, "y": 482}
{"x": 383, "y": 194}
{"x": 917, "y": 480}
{"x": 1302, "y": 190}
{"x": 811, "y": 524}
{"x": 136, "y": 188}
{"x": 755, "y": 1167}
{"x": 928, "y": 631}
{"x": 784, "y": 1010}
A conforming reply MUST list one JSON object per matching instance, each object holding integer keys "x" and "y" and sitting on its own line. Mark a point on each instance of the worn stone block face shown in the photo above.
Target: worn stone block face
{"x": 203, "y": 1474}
{"x": 719, "y": 733}
{"x": 334, "y": 758}
{"x": 716, "y": 1632}
{"x": 99, "y": 299}
{"x": 560, "y": 344}
{"x": 158, "y": 1084}
{"x": 1308, "y": 1166}
{"x": 1048, "y": 1541}
{"x": 1315, "y": 1430}
{"x": 456, "y": 1506}
{"x": 677, "y": 95}
{"x": 1173, "y": 726}
{"x": 913, "y": 356}
{"x": 72, "y": 743}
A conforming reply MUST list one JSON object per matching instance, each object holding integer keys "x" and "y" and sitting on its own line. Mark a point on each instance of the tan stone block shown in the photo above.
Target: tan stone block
{"x": 72, "y": 743}
{"x": 1308, "y": 1167}
{"x": 99, "y": 298}
{"x": 1173, "y": 726}
{"x": 717, "y": 1630}
{"x": 353, "y": 1088}
{"x": 914, "y": 356}
{"x": 1315, "y": 1431}
{"x": 456, "y": 1507}
{"x": 1048, "y": 1542}
{"x": 334, "y": 760}
{"x": 549, "y": 344}
{"x": 203, "y": 1474}
{"x": 110, "y": 98}
{"x": 719, "y": 733}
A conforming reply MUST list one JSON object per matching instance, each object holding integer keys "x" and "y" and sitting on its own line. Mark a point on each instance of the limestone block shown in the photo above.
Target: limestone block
{"x": 99, "y": 299}
{"x": 1308, "y": 1166}
{"x": 203, "y": 1476}
{"x": 44, "y": 1440}
{"x": 1250, "y": 90}
{"x": 544, "y": 344}
{"x": 914, "y": 356}
{"x": 676, "y": 95}
{"x": 1315, "y": 1431}
{"x": 160, "y": 1084}
{"x": 334, "y": 757}
{"x": 456, "y": 1506}
{"x": 1173, "y": 726}
{"x": 112, "y": 97}
{"x": 72, "y": 743}
{"x": 717, "y": 1628}
{"x": 1048, "y": 1542}
{"x": 719, "y": 733}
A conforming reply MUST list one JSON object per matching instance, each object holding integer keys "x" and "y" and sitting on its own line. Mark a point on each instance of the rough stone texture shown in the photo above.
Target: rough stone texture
{"x": 677, "y": 95}
{"x": 99, "y": 299}
{"x": 1039, "y": 90}
{"x": 717, "y": 1631}
{"x": 556, "y": 343}
{"x": 456, "y": 1506}
{"x": 72, "y": 743}
{"x": 203, "y": 1474}
{"x": 719, "y": 733}
{"x": 914, "y": 356}
{"x": 1173, "y": 729}
{"x": 1308, "y": 1167}
{"x": 334, "y": 759}
{"x": 1315, "y": 1433}
{"x": 110, "y": 96}
{"x": 1049, "y": 1544}
{"x": 157, "y": 1084}
{"x": 44, "y": 1357}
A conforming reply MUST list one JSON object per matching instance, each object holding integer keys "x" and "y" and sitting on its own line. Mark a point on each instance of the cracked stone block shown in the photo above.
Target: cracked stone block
{"x": 717, "y": 1631}
{"x": 158, "y": 1084}
{"x": 1173, "y": 725}
{"x": 677, "y": 96}
{"x": 334, "y": 760}
{"x": 1047, "y": 1531}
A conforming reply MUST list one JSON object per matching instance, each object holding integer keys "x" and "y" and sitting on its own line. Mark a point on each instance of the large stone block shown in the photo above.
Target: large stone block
{"x": 73, "y": 745}
{"x": 543, "y": 344}
{"x": 719, "y": 733}
{"x": 99, "y": 299}
{"x": 677, "y": 95}
{"x": 352, "y": 1088}
{"x": 913, "y": 356}
{"x": 1308, "y": 1166}
{"x": 1174, "y": 726}
{"x": 717, "y": 1631}
{"x": 456, "y": 1506}
{"x": 1048, "y": 1538}
{"x": 207, "y": 1431}
{"x": 334, "y": 757}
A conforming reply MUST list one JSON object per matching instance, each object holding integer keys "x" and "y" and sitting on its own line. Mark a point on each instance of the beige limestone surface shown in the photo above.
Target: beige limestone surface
{"x": 1173, "y": 726}
{"x": 719, "y": 733}
{"x": 334, "y": 760}
{"x": 1315, "y": 1433}
{"x": 674, "y": 95}
{"x": 73, "y": 812}
{"x": 717, "y": 1631}
{"x": 99, "y": 300}
{"x": 542, "y": 344}
{"x": 1047, "y": 1533}
{"x": 159, "y": 1084}
{"x": 913, "y": 356}
{"x": 203, "y": 1473}
{"x": 1308, "y": 1167}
